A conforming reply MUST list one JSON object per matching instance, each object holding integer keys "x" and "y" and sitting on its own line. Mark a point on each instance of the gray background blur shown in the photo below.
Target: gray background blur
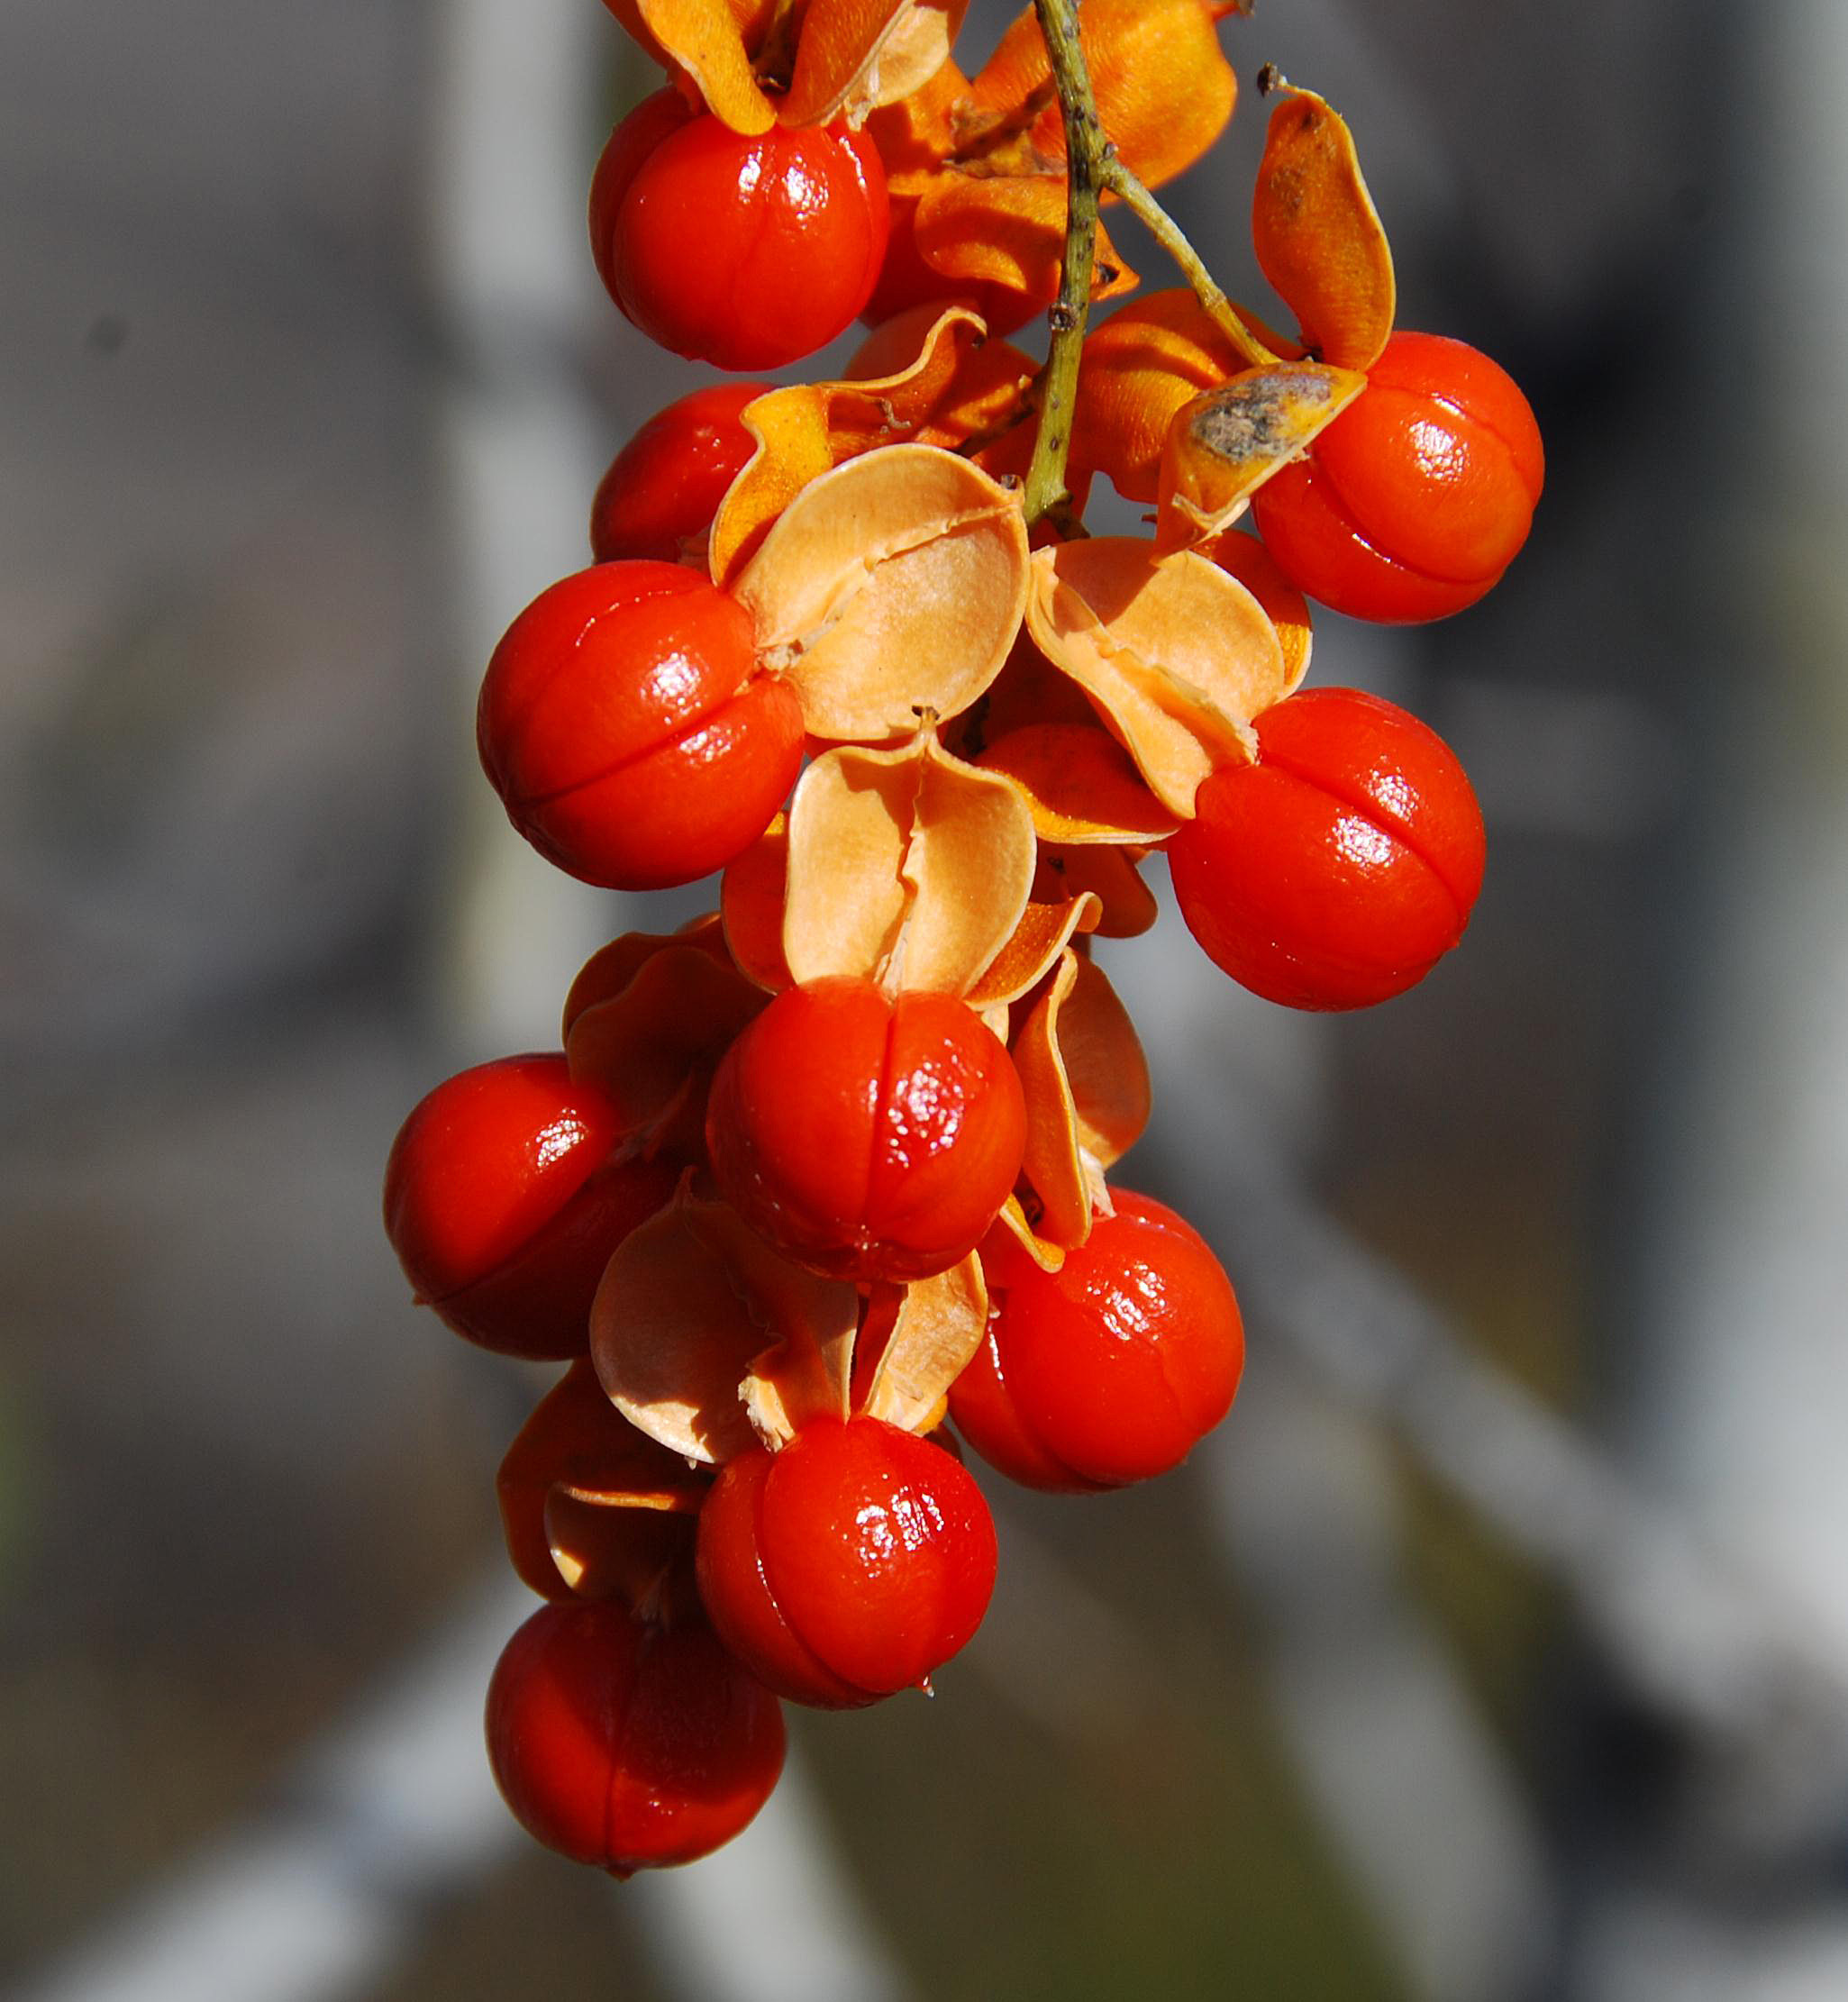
{"x": 1495, "y": 1650}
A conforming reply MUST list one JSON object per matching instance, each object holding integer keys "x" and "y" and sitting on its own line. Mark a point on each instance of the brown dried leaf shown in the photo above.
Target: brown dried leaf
{"x": 854, "y": 55}
{"x": 1318, "y": 236}
{"x": 1175, "y": 655}
{"x": 938, "y": 1328}
{"x": 1224, "y": 444}
{"x": 906, "y": 867}
{"x": 890, "y": 588}
{"x": 700, "y": 1333}
{"x": 1080, "y": 784}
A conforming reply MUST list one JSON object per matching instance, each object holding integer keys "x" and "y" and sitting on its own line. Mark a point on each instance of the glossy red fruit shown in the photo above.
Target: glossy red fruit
{"x": 1338, "y": 870}
{"x": 847, "y": 1566}
{"x": 1111, "y": 1369}
{"x": 869, "y": 1136}
{"x": 626, "y": 727}
{"x": 1417, "y": 498}
{"x": 664, "y": 488}
{"x": 627, "y": 1746}
{"x": 503, "y": 1199}
{"x": 746, "y": 252}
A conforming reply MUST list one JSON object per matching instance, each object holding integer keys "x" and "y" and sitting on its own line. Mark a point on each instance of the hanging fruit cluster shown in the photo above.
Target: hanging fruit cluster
{"x": 831, "y": 1164}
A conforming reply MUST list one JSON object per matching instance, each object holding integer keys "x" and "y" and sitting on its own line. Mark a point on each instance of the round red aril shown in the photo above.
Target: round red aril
{"x": 745, "y": 250}
{"x": 628, "y": 731}
{"x": 664, "y": 488}
{"x": 1417, "y": 498}
{"x": 847, "y": 1566}
{"x": 503, "y": 1203}
{"x": 1338, "y": 870}
{"x": 868, "y": 1136}
{"x": 626, "y": 1745}
{"x": 1109, "y": 1369}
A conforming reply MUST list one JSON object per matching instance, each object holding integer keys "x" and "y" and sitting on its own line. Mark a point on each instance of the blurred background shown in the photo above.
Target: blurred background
{"x": 1495, "y": 1649}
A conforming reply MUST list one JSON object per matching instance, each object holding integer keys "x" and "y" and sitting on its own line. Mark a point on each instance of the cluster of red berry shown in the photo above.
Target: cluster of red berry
{"x": 829, "y": 1165}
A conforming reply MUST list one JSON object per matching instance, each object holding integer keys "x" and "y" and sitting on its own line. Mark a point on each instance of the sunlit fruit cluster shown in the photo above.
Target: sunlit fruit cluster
{"x": 816, "y": 1192}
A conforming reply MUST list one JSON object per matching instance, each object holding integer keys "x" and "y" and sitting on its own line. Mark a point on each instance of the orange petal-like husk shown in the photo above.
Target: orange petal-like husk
{"x": 1013, "y": 1232}
{"x": 713, "y": 40}
{"x": 1007, "y": 229}
{"x": 907, "y": 866}
{"x": 1224, "y": 444}
{"x": 1177, "y": 656}
{"x": 1088, "y": 1098}
{"x": 941, "y": 382}
{"x": 750, "y": 902}
{"x": 653, "y": 1045}
{"x": 855, "y": 55}
{"x": 634, "y": 1518}
{"x": 1318, "y": 236}
{"x": 1163, "y": 86}
{"x": 696, "y": 1314}
{"x": 918, "y": 133}
{"x": 1247, "y": 558}
{"x": 939, "y": 1327}
{"x": 1140, "y": 366}
{"x": 890, "y": 588}
{"x": 1080, "y": 784}
{"x": 608, "y": 970}
{"x": 1126, "y": 905}
{"x": 1047, "y": 926}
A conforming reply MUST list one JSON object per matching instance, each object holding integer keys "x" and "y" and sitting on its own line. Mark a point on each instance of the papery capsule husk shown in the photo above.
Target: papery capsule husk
{"x": 938, "y": 1328}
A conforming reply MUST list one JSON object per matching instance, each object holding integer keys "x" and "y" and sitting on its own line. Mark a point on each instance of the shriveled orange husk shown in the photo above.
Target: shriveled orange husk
{"x": 1176, "y": 656}
{"x": 707, "y": 1340}
{"x": 917, "y": 134}
{"x": 1080, "y": 784}
{"x": 1007, "y": 229}
{"x": 1013, "y": 1234}
{"x": 654, "y": 1043}
{"x": 1053, "y": 917}
{"x": 1224, "y": 444}
{"x": 906, "y": 867}
{"x": 750, "y": 902}
{"x": 1318, "y": 236}
{"x": 924, "y": 1334}
{"x": 854, "y": 54}
{"x": 1126, "y": 905}
{"x": 1028, "y": 690}
{"x": 1163, "y": 86}
{"x": 591, "y": 1508}
{"x": 944, "y": 383}
{"x": 1087, "y": 1087}
{"x": 1247, "y": 558}
{"x": 611, "y": 968}
{"x": 712, "y": 43}
{"x": 891, "y": 587}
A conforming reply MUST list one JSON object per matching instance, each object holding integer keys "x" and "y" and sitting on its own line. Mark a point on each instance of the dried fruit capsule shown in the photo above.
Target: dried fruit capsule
{"x": 847, "y": 1566}
{"x": 1111, "y": 1369}
{"x": 503, "y": 1200}
{"x": 1417, "y": 498}
{"x": 868, "y": 1136}
{"x": 664, "y": 488}
{"x": 1338, "y": 870}
{"x": 745, "y": 250}
{"x": 628, "y": 731}
{"x": 626, "y": 1745}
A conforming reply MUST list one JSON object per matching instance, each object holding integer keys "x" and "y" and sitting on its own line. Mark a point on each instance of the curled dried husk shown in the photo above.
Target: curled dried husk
{"x": 1318, "y": 236}
{"x": 1245, "y": 557}
{"x": 1226, "y": 443}
{"x": 1080, "y": 784}
{"x": 907, "y": 866}
{"x": 890, "y": 588}
{"x": 1007, "y": 229}
{"x": 712, "y": 43}
{"x": 1053, "y": 917}
{"x": 1086, "y": 1085}
{"x": 938, "y": 1327}
{"x": 751, "y": 895}
{"x": 1176, "y": 655}
{"x": 853, "y": 56}
{"x": 707, "y": 1340}
{"x": 1126, "y": 905}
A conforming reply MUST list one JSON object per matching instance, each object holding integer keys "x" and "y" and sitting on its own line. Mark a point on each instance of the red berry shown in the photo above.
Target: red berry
{"x": 847, "y": 1566}
{"x": 504, "y": 1204}
{"x": 1417, "y": 498}
{"x": 664, "y": 488}
{"x": 628, "y": 731}
{"x": 870, "y": 1136}
{"x": 1109, "y": 1369}
{"x": 627, "y": 1746}
{"x": 1338, "y": 870}
{"x": 746, "y": 252}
